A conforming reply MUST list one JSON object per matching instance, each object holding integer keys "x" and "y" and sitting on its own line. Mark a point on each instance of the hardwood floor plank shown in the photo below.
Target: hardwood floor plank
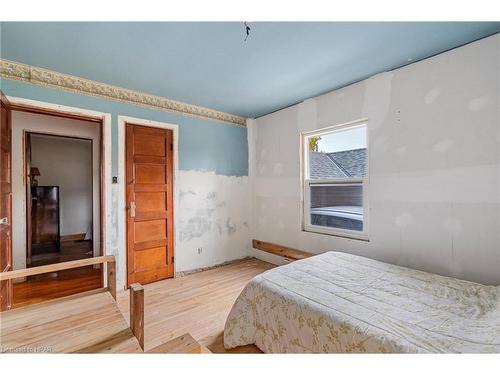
{"x": 197, "y": 303}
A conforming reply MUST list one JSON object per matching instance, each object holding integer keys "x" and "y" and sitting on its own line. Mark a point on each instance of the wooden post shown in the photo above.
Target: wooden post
{"x": 137, "y": 312}
{"x": 111, "y": 268}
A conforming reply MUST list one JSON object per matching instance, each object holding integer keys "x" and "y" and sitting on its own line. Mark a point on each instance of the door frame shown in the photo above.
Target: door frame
{"x": 45, "y": 108}
{"x": 122, "y": 214}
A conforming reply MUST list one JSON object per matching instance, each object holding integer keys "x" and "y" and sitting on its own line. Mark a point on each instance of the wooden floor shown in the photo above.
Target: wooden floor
{"x": 70, "y": 250}
{"x": 197, "y": 304}
{"x": 58, "y": 284}
{"x": 88, "y": 323}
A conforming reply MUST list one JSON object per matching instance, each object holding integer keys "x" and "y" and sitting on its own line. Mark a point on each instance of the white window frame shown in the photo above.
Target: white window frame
{"x": 307, "y": 183}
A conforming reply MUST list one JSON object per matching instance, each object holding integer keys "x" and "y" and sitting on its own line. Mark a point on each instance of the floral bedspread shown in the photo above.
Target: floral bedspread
{"x": 341, "y": 303}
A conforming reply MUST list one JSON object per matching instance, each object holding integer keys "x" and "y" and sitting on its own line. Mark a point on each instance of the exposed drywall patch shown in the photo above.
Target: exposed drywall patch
{"x": 212, "y": 215}
{"x": 278, "y": 169}
{"x": 453, "y": 225}
{"x": 443, "y": 146}
{"x": 477, "y": 104}
{"x": 212, "y": 195}
{"x": 228, "y": 228}
{"x": 401, "y": 150}
{"x": 432, "y": 95}
{"x": 380, "y": 145}
{"x": 183, "y": 193}
{"x": 197, "y": 225}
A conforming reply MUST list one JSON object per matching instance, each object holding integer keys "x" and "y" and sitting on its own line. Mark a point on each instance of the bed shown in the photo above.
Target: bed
{"x": 341, "y": 303}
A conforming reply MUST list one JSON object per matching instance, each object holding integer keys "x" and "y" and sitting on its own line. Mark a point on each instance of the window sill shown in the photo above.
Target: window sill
{"x": 346, "y": 235}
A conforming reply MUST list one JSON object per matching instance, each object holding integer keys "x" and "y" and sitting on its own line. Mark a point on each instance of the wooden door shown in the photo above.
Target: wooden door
{"x": 149, "y": 197}
{"x": 5, "y": 202}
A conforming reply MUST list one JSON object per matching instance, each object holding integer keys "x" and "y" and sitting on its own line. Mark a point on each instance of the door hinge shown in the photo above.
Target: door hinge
{"x": 171, "y": 147}
{"x": 172, "y": 259}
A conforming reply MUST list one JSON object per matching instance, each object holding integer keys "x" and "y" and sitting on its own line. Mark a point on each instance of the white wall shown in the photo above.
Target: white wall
{"x": 434, "y": 149}
{"x": 24, "y": 121}
{"x": 67, "y": 163}
{"x": 213, "y": 214}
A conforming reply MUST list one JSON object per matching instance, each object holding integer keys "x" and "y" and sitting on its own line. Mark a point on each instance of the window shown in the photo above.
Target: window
{"x": 335, "y": 177}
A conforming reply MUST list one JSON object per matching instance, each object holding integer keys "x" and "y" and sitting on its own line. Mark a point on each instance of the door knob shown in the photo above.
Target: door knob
{"x": 4, "y": 221}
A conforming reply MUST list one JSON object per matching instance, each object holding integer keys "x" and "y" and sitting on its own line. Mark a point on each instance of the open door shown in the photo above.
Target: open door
{"x": 5, "y": 202}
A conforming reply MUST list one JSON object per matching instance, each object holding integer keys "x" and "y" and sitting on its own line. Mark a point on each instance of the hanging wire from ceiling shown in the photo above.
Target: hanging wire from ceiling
{"x": 247, "y": 30}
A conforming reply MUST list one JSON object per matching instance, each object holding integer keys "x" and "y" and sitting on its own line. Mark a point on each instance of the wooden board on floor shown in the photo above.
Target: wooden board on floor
{"x": 198, "y": 303}
{"x": 184, "y": 344}
{"x": 283, "y": 251}
{"x": 86, "y": 323}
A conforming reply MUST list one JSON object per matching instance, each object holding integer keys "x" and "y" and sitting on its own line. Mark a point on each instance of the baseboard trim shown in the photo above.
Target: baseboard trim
{"x": 196, "y": 270}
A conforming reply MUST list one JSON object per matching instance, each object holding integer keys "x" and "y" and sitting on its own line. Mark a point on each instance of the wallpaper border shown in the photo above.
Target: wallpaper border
{"x": 49, "y": 78}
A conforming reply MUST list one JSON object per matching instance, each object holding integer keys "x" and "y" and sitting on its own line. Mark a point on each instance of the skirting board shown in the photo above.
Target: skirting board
{"x": 196, "y": 270}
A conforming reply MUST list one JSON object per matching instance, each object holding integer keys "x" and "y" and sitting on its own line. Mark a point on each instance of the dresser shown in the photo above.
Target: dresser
{"x": 45, "y": 222}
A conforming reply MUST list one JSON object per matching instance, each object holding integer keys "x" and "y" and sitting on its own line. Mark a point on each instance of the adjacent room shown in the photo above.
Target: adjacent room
{"x": 250, "y": 187}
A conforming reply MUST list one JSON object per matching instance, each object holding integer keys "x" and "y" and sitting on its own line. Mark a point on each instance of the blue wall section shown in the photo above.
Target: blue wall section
{"x": 203, "y": 145}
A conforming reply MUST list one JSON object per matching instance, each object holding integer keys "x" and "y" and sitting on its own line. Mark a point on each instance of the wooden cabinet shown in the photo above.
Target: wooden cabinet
{"x": 45, "y": 224}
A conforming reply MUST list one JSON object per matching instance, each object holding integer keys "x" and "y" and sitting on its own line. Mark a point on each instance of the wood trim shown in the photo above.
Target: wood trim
{"x": 283, "y": 251}
{"x": 137, "y": 312}
{"x": 55, "y": 267}
{"x": 49, "y": 112}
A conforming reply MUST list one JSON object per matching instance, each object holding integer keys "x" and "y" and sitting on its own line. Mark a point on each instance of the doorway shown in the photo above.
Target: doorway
{"x": 57, "y": 202}
{"x": 59, "y": 197}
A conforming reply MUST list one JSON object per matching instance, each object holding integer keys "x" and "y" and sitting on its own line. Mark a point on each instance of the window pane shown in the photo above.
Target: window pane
{"x": 338, "y": 154}
{"x": 337, "y": 205}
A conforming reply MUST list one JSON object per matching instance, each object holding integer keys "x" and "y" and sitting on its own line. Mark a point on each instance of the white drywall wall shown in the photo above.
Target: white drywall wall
{"x": 434, "y": 153}
{"x": 67, "y": 163}
{"x": 22, "y": 122}
{"x": 213, "y": 214}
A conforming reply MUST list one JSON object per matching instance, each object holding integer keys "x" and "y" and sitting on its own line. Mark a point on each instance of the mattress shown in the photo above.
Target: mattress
{"x": 342, "y": 303}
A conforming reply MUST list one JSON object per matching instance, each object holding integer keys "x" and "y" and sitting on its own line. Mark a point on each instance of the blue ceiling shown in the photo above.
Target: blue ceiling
{"x": 209, "y": 64}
